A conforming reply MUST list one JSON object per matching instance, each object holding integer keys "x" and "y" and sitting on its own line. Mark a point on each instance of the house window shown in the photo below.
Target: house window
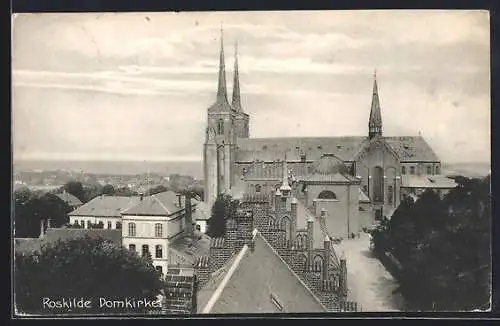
{"x": 89, "y": 225}
{"x": 145, "y": 250}
{"x": 131, "y": 247}
{"x": 158, "y": 251}
{"x": 159, "y": 269}
{"x": 82, "y": 223}
{"x": 437, "y": 169}
{"x": 412, "y": 170}
{"x": 118, "y": 225}
{"x": 220, "y": 127}
{"x": 403, "y": 170}
{"x": 109, "y": 225}
{"x": 131, "y": 229}
{"x": 258, "y": 188}
{"x": 158, "y": 230}
{"x": 276, "y": 302}
{"x": 429, "y": 170}
{"x": 390, "y": 194}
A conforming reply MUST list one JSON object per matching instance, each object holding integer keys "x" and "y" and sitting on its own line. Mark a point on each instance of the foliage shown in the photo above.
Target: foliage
{"x": 76, "y": 189}
{"x": 224, "y": 207}
{"x": 443, "y": 245}
{"x": 108, "y": 190}
{"x": 32, "y": 207}
{"x": 87, "y": 268}
{"x": 156, "y": 190}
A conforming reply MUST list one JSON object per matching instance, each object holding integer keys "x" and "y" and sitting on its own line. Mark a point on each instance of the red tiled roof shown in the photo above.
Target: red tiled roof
{"x": 409, "y": 148}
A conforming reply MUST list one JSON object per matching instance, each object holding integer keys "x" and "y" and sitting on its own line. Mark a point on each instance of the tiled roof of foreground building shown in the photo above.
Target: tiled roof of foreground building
{"x": 256, "y": 280}
{"x": 105, "y": 206}
{"x": 162, "y": 204}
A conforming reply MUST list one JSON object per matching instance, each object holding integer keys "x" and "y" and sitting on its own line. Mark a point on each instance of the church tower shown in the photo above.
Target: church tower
{"x": 220, "y": 141}
{"x": 375, "y": 123}
{"x": 242, "y": 119}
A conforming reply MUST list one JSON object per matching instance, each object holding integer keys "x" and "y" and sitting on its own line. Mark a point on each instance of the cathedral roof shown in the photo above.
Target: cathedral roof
{"x": 409, "y": 148}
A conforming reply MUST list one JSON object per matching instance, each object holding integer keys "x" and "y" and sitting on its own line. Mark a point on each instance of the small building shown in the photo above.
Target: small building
{"x": 104, "y": 209}
{"x": 70, "y": 199}
{"x": 415, "y": 185}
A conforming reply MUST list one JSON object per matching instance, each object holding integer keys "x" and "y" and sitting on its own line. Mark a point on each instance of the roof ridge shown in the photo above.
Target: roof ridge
{"x": 161, "y": 204}
{"x": 215, "y": 296}
{"x": 256, "y": 232}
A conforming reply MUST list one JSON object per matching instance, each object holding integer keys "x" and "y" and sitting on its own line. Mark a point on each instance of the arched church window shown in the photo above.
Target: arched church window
{"x": 403, "y": 170}
{"x": 327, "y": 194}
{"x": 318, "y": 264}
{"x": 220, "y": 127}
{"x": 285, "y": 225}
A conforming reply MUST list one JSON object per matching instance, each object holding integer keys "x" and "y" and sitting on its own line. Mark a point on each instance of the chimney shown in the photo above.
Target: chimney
{"x": 141, "y": 196}
{"x": 293, "y": 209}
{"x": 326, "y": 261}
{"x": 42, "y": 229}
{"x": 188, "y": 219}
{"x": 179, "y": 200}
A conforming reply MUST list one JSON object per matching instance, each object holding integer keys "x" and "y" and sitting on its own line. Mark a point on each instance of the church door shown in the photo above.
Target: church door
{"x": 378, "y": 184}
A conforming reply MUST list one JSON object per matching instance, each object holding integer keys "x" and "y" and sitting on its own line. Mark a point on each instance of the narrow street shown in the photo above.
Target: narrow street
{"x": 369, "y": 283}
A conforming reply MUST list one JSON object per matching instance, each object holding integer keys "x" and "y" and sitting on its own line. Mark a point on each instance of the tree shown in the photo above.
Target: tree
{"x": 443, "y": 246}
{"x": 223, "y": 208}
{"x": 86, "y": 267}
{"x": 76, "y": 189}
{"x": 108, "y": 190}
{"x": 157, "y": 190}
{"x": 32, "y": 207}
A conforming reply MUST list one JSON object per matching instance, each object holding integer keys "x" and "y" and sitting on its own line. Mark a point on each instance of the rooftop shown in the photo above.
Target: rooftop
{"x": 105, "y": 206}
{"x": 161, "y": 204}
{"x": 69, "y": 199}
{"x": 427, "y": 181}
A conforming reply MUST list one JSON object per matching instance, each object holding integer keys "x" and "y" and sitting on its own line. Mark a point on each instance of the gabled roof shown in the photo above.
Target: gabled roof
{"x": 412, "y": 148}
{"x": 161, "y": 204}
{"x": 408, "y": 148}
{"x": 105, "y": 206}
{"x": 69, "y": 199}
{"x": 363, "y": 198}
{"x": 202, "y": 211}
{"x": 257, "y": 281}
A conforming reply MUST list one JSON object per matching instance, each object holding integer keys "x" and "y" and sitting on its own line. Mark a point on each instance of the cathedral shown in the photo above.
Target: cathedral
{"x": 350, "y": 181}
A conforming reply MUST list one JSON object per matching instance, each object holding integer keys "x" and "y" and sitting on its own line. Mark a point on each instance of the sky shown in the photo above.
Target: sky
{"x": 136, "y": 86}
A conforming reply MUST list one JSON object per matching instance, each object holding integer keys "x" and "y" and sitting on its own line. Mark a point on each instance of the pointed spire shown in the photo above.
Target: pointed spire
{"x": 375, "y": 123}
{"x": 236, "y": 102}
{"x": 222, "y": 103}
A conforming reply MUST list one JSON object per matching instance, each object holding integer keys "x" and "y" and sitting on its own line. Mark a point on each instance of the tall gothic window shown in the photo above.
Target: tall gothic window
{"x": 378, "y": 184}
{"x": 318, "y": 263}
{"x": 220, "y": 127}
{"x": 131, "y": 229}
{"x": 158, "y": 230}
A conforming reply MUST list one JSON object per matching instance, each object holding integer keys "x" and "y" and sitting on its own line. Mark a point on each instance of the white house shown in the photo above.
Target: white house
{"x": 150, "y": 226}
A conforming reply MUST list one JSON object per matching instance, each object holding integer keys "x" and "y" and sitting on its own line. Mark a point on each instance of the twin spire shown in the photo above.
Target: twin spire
{"x": 222, "y": 102}
{"x": 375, "y": 122}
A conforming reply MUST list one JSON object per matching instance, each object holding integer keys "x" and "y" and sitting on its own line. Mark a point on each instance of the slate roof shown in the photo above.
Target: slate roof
{"x": 250, "y": 279}
{"x": 105, "y": 206}
{"x": 191, "y": 248}
{"x": 409, "y": 148}
{"x": 427, "y": 181}
{"x": 161, "y": 204}
{"x": 70, "y": 199}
